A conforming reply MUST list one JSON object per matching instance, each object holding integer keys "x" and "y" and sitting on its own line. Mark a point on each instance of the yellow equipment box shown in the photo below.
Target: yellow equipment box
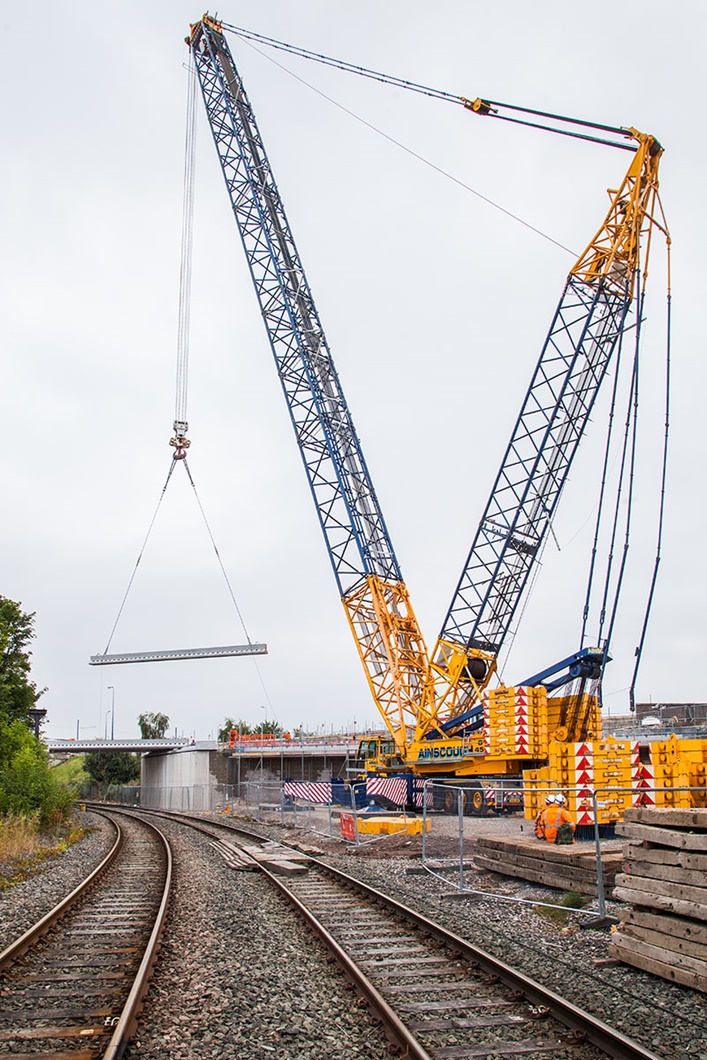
{"x": 391, "y": 825}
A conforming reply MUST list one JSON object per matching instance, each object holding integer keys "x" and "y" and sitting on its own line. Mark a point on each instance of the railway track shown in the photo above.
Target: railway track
{"x": 72, "y": 985}
{"x": 438, "y": 996}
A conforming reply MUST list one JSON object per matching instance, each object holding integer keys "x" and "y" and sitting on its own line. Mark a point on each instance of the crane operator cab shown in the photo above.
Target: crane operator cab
{"x": 376, "y": 753}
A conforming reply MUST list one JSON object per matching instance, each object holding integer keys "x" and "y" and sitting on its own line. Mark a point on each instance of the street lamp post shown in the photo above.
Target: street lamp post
{"x": 111, "y": 689}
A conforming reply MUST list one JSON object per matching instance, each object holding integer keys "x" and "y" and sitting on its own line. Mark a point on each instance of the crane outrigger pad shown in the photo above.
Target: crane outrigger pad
{"x": 179, "y": 653}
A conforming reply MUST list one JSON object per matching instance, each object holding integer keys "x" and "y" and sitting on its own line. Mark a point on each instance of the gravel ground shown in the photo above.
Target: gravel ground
{"x": 238, "y": 975}
{"x": 668, "y": 1019}
{"x": 26, "y": 902}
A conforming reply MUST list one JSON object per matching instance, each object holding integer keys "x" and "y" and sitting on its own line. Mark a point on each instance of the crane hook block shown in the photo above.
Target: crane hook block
{"x": 180, "y": 441}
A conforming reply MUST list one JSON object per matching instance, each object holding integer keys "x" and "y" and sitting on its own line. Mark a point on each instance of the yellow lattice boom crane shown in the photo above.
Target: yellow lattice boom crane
{"x": 446, "y": 713}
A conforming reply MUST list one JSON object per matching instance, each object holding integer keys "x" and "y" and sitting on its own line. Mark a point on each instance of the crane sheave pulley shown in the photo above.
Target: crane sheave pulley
{"x": 418, "y": 695}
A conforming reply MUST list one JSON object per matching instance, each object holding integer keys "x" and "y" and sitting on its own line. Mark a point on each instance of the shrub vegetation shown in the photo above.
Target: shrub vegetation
{"x": 28, "y": 790}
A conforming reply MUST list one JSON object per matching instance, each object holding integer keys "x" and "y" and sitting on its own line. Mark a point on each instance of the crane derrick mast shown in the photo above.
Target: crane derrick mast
{"x": 587, "y": 326}
{"x": 374, "y": 595}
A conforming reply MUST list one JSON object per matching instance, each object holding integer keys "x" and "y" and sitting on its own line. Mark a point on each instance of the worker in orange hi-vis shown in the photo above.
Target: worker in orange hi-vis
{"x": 540, "y": 818}
{"x": 554, "y": 823}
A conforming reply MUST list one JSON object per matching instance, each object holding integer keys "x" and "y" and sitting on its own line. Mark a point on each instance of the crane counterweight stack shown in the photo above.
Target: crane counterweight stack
{"x": 442, "y": 715}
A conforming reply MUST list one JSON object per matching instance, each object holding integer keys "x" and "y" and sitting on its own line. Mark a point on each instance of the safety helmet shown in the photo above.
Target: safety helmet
{"x": 550, "y": 800}
{"x": 560, "y": 800}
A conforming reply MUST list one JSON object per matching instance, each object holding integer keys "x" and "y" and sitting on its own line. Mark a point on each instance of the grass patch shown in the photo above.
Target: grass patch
{"x": 24, "y": 848}
{"x": 569, "y": 900}
{"x": 71, "y": 773}
{"x": 19, "y": 837}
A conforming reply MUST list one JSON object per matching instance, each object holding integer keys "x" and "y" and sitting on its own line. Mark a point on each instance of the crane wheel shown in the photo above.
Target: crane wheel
{"x": 478, "y": 806}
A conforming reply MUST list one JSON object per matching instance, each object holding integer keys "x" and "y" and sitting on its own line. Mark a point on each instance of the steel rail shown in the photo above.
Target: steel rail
{"x": 394, "y": 1025}
{"x": 15, "y": 950}
{"x": 127, "y": 1022}
{"x": 612, "y": 1042}
{"x": 397, "y": 1031}
{"x": 583, "y": 1025}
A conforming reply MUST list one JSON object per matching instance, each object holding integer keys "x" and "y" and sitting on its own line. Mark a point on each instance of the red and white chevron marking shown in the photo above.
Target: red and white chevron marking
{"x": 642, "y": 778}
{"x": 521, "y": 719}
{"x": 307, "y": 790}
{"x": 487, "y": 723}
{"x": 584, "y": 779}
{"x": 393, "y": 788}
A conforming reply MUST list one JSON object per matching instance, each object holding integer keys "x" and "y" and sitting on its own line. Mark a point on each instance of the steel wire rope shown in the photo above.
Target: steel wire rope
{"x": 414, "y": 154}
{"x": 632, "y": 414}
{"x": 527, "y": 595}
{"x": 218, "y": 554}
{"x": 183, "y": 333}
{"x": 180, "y": 406}
{"x": 184, "y": 319}
{"x": 505, "y": 653}
{"x": 534, "y": 573}
{"x": 593, "y": 508}
{"x": 629, "y": 504}
{"x": 602, "y": 491}
{"x": 486, "y": 108}
{"x": 628, "y": 454}
{"x": 661, "y": 511}
{"x": 137, "y": 564}
{"x": 185, "y": 265}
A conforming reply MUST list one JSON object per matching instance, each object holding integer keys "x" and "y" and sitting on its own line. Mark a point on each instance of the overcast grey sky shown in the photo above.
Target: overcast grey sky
{"x": 435, "y": 306}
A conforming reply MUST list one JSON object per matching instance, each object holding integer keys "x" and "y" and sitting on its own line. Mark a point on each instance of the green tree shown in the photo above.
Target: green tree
{"x": 242, "y": 727}
{"x": 153, "y": 726}
{"x": 268, "y": 727}
{"x": 112, "y": 767}
{"x": 18, "y": 693}
{"x": 27, "y": 786}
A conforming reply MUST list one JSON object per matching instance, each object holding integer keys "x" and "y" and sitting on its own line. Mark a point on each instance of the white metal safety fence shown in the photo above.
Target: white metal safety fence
{"x": 455, "y": 817}
{"x": 334, "y": 810}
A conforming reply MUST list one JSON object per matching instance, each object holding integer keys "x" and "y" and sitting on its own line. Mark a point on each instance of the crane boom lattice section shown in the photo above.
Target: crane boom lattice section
{"x": 346, "y": 502}
{"x": 589, "y": 321}
{"x": 392, "y": 651}
{"x": 389, "y": 641}
{"x": 586, "y": 327}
